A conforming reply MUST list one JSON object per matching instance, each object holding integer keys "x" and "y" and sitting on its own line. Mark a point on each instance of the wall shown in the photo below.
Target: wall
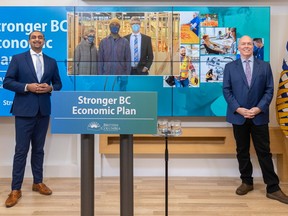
{"x": 62, "y": 158}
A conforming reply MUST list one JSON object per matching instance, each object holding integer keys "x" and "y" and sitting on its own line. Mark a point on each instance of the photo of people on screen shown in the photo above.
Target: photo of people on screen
{"x": 154, "y": 49}
{"x": 212, "y": 67}
{"x": 258, "y": 50}
{"x": 186, "y": 68}
{"x": 218, "y": 41}
{"x": 189, "y": 27}
{"x": 209, "y": 20}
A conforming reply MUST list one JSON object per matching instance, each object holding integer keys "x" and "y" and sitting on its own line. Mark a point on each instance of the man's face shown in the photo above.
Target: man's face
{"x": 257, "y": 44}
{"x": 135, "y": 25}
{"x": 245, "y": 47}
{"x": 90, "y": 37}
{"x": 183, "y": 52}
{"x": 206, "y": 38}
{"x": 36, "y": 41}
{"x": 114, "y": 28}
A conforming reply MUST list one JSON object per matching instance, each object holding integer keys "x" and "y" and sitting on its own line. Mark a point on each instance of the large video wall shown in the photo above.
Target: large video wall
{"x": 186, "y": 70}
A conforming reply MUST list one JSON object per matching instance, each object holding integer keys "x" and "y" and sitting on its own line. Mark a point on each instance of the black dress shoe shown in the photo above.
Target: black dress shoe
{"x": 279, "y": 196}
{"x": 244, "y": 189}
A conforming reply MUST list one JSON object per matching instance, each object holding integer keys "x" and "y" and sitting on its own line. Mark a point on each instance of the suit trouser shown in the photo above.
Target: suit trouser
{"x": 29, "y": 130}
{"x": 260, "y": 138}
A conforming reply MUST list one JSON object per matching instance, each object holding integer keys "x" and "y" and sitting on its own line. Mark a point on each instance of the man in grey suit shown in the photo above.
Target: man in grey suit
{"x": 141, "y": 63}
{"x": 248, "y": 89}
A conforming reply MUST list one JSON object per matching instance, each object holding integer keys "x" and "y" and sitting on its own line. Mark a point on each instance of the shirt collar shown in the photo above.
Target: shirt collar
{"x": 32, "y": 52}
{"x": 251, "y": 59}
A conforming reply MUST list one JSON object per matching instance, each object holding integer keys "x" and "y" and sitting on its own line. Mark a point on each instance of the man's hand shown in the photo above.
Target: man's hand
{"x": 255, "y": 110}
{"x": 248, "y": 113}
{"x": 39, "y": 88}
{"x": 145, "y": 69}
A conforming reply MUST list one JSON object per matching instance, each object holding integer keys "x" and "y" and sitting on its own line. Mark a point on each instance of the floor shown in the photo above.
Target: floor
{"x": 188, "y": 196}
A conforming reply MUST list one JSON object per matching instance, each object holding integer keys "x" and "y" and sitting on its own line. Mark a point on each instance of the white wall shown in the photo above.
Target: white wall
{"x": 62, "y": 152}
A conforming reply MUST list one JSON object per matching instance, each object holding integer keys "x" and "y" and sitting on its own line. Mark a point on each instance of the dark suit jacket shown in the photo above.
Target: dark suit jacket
{"x": 147, "y": 56}
{"x": 238, "y": 94}
{"x": 21, "y": 72}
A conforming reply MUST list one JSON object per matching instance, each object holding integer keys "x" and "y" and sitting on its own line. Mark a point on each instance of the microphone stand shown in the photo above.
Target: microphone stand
{"x": 167, "y": 130}
{"x": 166, "y": 173}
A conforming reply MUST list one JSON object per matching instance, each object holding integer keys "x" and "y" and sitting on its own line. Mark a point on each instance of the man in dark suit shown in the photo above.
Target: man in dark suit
{"x": 248, "y": 89}
{"x": 33, "y": 76}
{"x": 142, "y": 60}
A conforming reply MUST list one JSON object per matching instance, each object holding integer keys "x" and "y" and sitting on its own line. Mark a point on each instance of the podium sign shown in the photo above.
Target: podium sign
{"x": 104, "y": 112}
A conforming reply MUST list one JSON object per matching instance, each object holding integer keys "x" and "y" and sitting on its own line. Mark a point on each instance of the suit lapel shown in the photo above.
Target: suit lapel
{"x": 242, "y": 72}
{"x": 46, "y": 66}
{"x": 255, "y": 71}
{"x": 29, "y": 61}
{"x": 142, "y": 45}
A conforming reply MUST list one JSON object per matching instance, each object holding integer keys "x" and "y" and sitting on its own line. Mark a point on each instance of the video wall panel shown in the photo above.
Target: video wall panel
{"x": 191, "y": 46}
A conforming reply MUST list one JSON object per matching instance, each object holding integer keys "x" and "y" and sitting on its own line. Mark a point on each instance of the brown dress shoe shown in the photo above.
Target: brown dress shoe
{"x": 244, "y": 189}
{"x": 278, "y": 195}
{"x": 13, "y": 198}
{"x": 42, "y": 189}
